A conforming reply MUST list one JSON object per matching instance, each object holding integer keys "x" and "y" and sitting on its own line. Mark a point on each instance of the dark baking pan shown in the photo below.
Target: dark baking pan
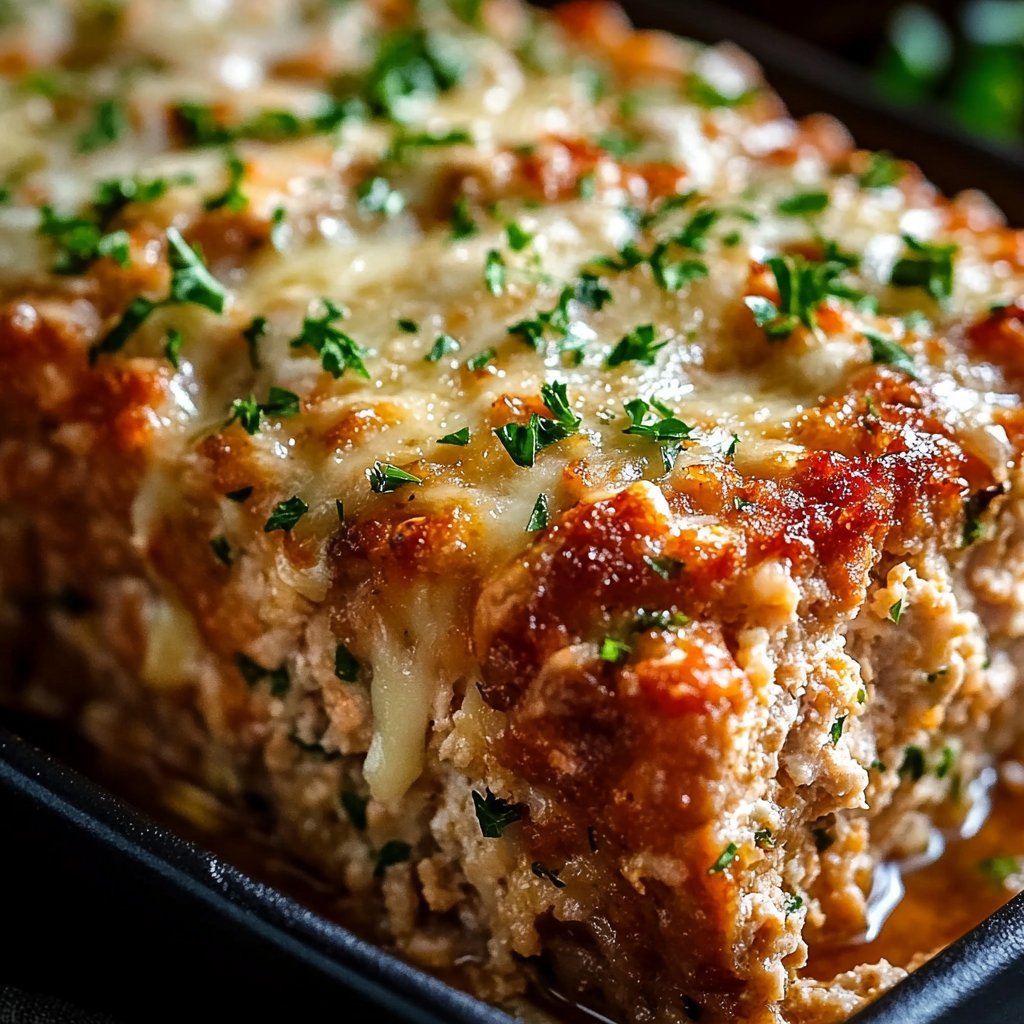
{"x": 106, "y": 909}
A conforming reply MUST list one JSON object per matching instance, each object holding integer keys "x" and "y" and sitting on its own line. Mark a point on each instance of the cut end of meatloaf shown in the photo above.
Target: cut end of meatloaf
{"x": 578, "y": 503}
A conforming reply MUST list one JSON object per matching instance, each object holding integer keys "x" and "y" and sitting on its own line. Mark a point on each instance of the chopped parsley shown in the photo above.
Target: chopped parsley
{"x": 278, "y": 228}
{"x": 617, "y": 143}
{"x": 885, "y": 350}
{"x": 81, "y": 241}
{"x": 109, "y": 123}
{"x": 375, "y": 195}
{"x": 411, "y": 67}
{"x": 700, "y": 91}
{"x": 494, "y": 814}
{"x": 803, "y": 286}
{"x": 613, "y": 650}
{"x": 394, "y": 851}
{"x": 946, "y": 761}
{"x": 540, "y": 516}
{"x": 134, "y": 316}
{"x": 928, "y": 266}
{"x": 724, "y": 859}
{"x": 286, "y": 514}
{"x": 896, "y": 610}
{"x": 253, "y": 334}
{"x": 173, "y": 341}
{"x": 338, "y": 351}
{"x": 232, "y": 198}
{"x": 463, "y": 225}
{"x": 495, "y": 272}
{"x": 999, "y": 870}
{"x": 518, "y": 237}
{"x": 975, "y": 507}
{"x": 587, "y": 291}
{"x": 803, "y": 204}
{"x": 191, "y": 281}
{"x": 549, "y": 874}
{"x": 638, "y": 345}
{"x": 385, "y": 478}
{"x": 665, "y": 567}
{"x": 458, "y": 437}
{"x": 836, "y": 732}
{"x": 407, "y": 326}
{"x": 481, "y": 359}
{"x": 882, "y": 171}
{"x": 443, "y": 346}
{"x": 249, "y": 413}
{"x": 241, "y": 495}
{"x": 912, "y": 766}
{"x": 675, "y": 275}
{"x": 764, "y": 840}
{"x": 346, "y": 666}
{"x": 669, "y": 431}
{"x": 793, "y": 903}
{"x": 523, "y": 441}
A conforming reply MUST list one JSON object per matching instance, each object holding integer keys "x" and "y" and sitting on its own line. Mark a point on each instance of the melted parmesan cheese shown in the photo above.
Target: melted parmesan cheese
{"x": 712, "y": 367}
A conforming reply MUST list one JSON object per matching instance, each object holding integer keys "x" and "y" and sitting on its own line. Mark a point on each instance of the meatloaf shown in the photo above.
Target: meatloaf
{"x": 578, "y": 503}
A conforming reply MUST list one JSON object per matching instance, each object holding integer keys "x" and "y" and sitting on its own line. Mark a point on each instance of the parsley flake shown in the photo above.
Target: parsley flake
{"x": 191, "y": 281}
{"x": 173, "y": 341}
{"x": 912, "y": 766}
{"x": 540, "y": 516}
{"x": 481, "y": 359}
{"x": 241, "y": 495}
{"x": 613, "y": 650}
{"x": 375, "y": 195}
{"x": 232, "y": 198}
{"x": 666, "y": 568}
{"x": 928, "y": 266}
{"x": 286, "y": 514}
{"x": 803, "y": 204}
{"x": 463, "y": 225}
{"x": 882, "y": 172}
{"x": 495, "y": 272}
{"x": 444, "y": 345}
{"x": 459, "y": 437}
{"x": 636, "y": 346}
{"x": 886, "y": 351}
{"x": 835, "y": 733}
{"x": 724, "y": 859}
{"x": 385, "y": 478}
{"x": 338, "y": 351}
{"x": 896, "y": 610}
{"x": 494, "y": 814}
{"x": 109, "y": 123}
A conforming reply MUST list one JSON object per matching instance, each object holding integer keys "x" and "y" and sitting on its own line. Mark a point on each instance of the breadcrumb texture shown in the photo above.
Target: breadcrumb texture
{"x": 713, "y": 632}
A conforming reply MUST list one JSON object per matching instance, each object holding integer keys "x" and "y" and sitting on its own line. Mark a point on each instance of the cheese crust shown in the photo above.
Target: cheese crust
{"x": 578, "y": 502}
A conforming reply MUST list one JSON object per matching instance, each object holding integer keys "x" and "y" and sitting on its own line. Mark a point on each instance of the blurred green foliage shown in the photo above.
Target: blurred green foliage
{"x": 974, "y": 68}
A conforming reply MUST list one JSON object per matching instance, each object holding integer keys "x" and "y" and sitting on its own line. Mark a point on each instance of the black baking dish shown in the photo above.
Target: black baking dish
{"x": 101, "y": 906}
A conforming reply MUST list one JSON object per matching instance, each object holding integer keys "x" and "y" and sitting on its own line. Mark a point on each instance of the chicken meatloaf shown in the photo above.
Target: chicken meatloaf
{"x": 580, "y": 504}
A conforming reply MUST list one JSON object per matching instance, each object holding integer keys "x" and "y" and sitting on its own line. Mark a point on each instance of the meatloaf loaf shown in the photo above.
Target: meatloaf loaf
{"x": 577, "y": 502}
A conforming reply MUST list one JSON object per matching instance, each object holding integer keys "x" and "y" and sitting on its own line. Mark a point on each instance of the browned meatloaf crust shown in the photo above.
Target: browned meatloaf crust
{"x": 579, "y": 502}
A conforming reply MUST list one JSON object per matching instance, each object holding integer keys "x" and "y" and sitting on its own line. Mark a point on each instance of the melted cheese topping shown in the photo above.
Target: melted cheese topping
{"x": 571, "y": 200}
